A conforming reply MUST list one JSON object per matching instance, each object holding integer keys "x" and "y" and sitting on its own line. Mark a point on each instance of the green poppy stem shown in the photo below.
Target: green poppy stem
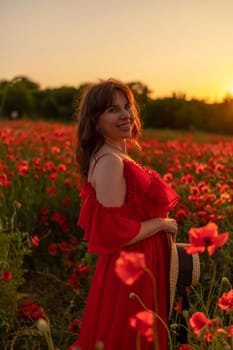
{"x": 155, "y": 328}
{"x": 211, "y": 284}
{"x": 133, "y": 295}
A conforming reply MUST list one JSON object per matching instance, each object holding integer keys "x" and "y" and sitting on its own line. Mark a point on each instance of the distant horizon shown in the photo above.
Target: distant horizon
{"x": 153, "y": 95}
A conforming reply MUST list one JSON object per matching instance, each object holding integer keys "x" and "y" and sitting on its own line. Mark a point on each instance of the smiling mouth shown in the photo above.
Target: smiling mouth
{"x": 125, "y": 126}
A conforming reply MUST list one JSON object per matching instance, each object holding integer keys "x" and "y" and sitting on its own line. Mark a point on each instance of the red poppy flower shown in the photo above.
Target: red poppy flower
{"x": 23, "y": 169}
{"x": 49, "y": 166}
{"x": 74, "y": 326}
{"x": 35, "y": 241}
{"x": 69, "y": 263}
{"x": 64, "y": 246}
{"x": 38, "y": 314}
{"x": 44, "y": 218}
{"x": 185, "y": 347}
{"x": 44, "y": 211}
{"x": 55, "y": 149}
{"x": 52, "y": 190}
{"x": 226, "y": 300}
{"x": 36, "y": 162}
{"x": 52, "y": 249}
{"x": 194, "y": 190}
{"x": 206, "y": 237}
{"x": 197, "y": 321}
{"x": 143, "y": 322}
{"x": 74, "y": 241}
{"x": 187, "y": 179}
{"x": 67, "y": 182}
{"x": 61, "y": 167}
{"x": 7, "y": 276}
{"x": 73, "y": 282}
{"x": 168, "y": 177}
{"x": 3, "y": 178}
{"x": 65, "y": 228}
{"x": 59, "y": 218}
{"x": 53, "y": 176}
{"x": 29, "y": 309}
{"x": 179, "y": 306}
{"x": 130, "y": 266}
{"x": 83, "y": 270}
{"x": 229, "y": 330}
{"x": 67, "y": 201}
{"x": 181, "y": 214}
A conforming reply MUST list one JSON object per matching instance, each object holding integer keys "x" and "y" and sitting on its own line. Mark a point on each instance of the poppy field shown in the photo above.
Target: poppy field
{"x": 45, "y": 270}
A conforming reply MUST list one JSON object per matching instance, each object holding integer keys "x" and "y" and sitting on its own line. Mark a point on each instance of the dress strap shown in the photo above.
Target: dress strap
{"x": 98, "y": 158}
{"x": 96, "y": 161}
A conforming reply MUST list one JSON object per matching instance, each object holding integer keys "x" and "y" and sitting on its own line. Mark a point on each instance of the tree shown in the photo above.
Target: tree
{"x": 29, "y": 84}
{"x": 65, "y": 100}
{"x": 58, "y": 103}
{"x": 18, "y": 98}
{"x": 141, "y": 93}
{"x": 160, "y": 113}
{"x": 3, "y": 86}
{"x": 48, "y": 107}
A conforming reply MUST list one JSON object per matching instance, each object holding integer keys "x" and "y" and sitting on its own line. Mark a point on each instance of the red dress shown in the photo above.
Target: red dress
{"x": 108, "y": 307}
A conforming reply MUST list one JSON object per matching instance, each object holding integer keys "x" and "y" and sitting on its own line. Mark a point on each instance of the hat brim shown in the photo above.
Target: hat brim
{"x": 184, "y": 270}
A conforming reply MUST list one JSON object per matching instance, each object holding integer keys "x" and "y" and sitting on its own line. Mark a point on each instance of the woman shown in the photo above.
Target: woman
{"x": 124, "y": 207}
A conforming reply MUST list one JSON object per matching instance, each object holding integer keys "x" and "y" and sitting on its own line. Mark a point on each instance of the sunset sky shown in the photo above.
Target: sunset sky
{"x": 182, "y": 46}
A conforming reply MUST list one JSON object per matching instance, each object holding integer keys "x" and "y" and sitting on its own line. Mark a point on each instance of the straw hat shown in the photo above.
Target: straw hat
{"x": 184, "y": 270}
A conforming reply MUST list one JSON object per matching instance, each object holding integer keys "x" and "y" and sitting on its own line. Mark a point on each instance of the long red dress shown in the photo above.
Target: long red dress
{"x": 108, "y": 229}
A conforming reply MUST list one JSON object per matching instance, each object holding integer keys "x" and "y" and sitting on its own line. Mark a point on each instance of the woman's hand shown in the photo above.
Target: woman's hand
{"x": 153, "y": 226}
{"x": 170, "y": 226}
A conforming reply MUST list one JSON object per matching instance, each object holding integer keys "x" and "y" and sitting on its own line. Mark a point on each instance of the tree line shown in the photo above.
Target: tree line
{"x": 21, "y": 97}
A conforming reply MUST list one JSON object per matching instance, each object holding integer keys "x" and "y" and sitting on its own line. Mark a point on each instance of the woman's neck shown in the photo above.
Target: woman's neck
{"x": 118, "y": 147}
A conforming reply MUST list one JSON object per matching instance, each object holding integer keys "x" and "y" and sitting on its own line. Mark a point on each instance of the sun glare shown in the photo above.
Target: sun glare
{"x": 231, "y": 90}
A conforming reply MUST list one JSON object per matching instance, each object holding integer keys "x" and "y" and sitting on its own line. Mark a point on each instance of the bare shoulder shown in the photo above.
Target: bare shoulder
{"x": 109, "y": 169}
{"x": 108, "y": 180}
{"x": 109, "y": 162}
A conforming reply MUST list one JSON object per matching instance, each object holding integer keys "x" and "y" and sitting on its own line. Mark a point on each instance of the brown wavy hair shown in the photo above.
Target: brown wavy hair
{"x": 95, "y": 100}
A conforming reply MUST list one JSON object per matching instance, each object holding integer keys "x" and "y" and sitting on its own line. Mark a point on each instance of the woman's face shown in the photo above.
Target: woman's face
{"x": 115, "y": 124}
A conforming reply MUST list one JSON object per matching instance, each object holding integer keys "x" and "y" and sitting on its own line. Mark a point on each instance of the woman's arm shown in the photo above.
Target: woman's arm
{"x": 153, "y": 226}
{"x": 110, "y": 187}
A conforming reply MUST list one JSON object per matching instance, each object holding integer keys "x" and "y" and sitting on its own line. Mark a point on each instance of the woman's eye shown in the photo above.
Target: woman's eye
{"x": 112, "y": 109}
{"x": 128, "y": 106}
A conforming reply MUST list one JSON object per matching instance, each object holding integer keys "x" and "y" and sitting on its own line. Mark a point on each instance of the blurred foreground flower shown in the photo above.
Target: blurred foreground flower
{"x": 206, "y": 237}
{"x": 143, "y": 322}
{"x": 130, "y": 266}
